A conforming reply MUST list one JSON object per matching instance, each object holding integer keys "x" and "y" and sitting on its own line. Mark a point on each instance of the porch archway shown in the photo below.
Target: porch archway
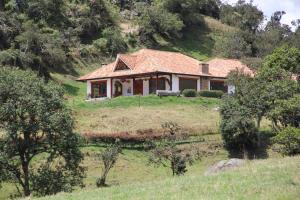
{"x": 118, "y": 89}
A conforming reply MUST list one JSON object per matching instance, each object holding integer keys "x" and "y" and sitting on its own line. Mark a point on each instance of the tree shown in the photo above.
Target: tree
{"x": 40, "y": 51}
{"x": 273, "y": 35}
{"x": 157, "y": 20}
{"x": 191, "y": 11}
{"x": 36, "y": 122}
{"x": 167, "y": 154}
{"x": 233, "y": 46}
{"x": 243, "y": 15}
{"x": 285, "y": 57}
{"x": 109, "y": 158}
{"x": 286, "y": 112}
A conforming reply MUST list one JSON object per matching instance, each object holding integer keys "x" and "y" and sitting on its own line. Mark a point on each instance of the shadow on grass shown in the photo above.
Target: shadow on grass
{"x": 71, "y": 90}
{"x": 260, "y": 151}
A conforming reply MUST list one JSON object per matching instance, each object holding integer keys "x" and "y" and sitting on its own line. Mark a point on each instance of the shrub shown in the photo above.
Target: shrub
{"x": 109, "y": 158}
{"x": 140, "y": 137}
{"x": 166, "y": 152}
{"x": 287, "y": 142}
{"x": 211, "y": 93}
{"x": 237, "y": 128}
{"x": 189, "y": 93}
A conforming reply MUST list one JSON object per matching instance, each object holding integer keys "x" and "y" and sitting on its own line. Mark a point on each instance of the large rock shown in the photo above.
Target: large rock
{"x": 225, "y": 165}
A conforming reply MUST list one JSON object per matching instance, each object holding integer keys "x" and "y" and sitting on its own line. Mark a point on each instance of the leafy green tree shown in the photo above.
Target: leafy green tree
{"x": 37, "y": 134}
{"x": 191, "y": 11}
{"x": 233, "y": 46}
{"x": 243, "y": 15}
{"x": 286, "y": 112}
{"x": 52, "y": 12}
{"x": 40, "y": 51}
{"x": 285, "y": 57}
{"x": 114, "y": 41}
{"x": 10, "y": 27}
{"x": 275, "y": 34}
{"x": 157, "y": 20}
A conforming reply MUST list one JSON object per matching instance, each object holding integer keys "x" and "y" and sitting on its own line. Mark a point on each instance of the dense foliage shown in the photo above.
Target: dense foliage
{"x": 288, "y": 141}
{"x": 36, "y": 124}
{"x": 272, "y": 93}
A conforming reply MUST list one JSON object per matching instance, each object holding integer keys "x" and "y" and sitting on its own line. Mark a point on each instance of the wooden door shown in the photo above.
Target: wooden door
{"x": 138, "y": 87}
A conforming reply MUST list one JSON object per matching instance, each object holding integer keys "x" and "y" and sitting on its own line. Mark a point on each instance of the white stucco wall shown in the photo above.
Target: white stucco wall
{"x": 231, "y": 89}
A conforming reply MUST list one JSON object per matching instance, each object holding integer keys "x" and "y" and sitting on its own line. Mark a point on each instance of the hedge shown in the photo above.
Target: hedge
{"x": 211, "y": 93}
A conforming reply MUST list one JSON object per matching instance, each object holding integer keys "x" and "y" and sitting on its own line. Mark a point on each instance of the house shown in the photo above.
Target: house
{"x": 147, "y": 71}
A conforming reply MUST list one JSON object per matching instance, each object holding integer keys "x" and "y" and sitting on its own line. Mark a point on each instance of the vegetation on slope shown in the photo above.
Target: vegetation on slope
{"x": 264, "y": 179}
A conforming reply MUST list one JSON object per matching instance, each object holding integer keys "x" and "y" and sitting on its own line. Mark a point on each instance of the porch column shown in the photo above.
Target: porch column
{"x": 175, "y": 83}
{"x": 198, "y": 85}
{"x": 156, "y": 85}
{"x": 171, "y": 82}
{"x": 89, "y": 90}
{"x": 109, "y": 88}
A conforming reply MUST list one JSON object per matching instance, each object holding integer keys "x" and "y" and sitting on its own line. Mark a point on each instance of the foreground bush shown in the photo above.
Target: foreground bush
{"x": 211, "y": 93}
{"x": 189, "y": 93}
{"x": 287, "y": 142}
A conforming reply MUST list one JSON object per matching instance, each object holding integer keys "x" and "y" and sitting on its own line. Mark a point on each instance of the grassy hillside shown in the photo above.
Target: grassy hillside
{"x": 264, "y": 179}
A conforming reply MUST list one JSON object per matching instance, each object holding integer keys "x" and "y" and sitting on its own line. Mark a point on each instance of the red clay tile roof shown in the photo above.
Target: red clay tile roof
{"x": 151, "y": 61}
{"x": 220, "y": 67}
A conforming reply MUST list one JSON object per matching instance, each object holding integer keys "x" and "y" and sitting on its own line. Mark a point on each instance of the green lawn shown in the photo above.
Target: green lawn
{"x": 262, "y": 179}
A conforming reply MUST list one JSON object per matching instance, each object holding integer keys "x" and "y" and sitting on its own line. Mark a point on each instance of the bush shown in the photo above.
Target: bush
{"x": 237, "y": 128}
{"x": 189, "y": 93}
{"x": 211, "y": 93}
{"x": 287, "y": 142}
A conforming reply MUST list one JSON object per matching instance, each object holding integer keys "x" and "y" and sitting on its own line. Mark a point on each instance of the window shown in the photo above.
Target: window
{"x": 152, "y": 85}
{"x": 186, "y": 83}
{"x": 99, "y": 89}
{"x": 218, "y": 85}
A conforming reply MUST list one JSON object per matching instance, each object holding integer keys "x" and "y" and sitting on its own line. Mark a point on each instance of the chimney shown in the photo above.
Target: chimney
{"x": 204, "y": 67}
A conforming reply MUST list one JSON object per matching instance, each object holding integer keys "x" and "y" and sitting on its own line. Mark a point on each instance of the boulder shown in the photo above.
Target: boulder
{"x": 225, "y": 165}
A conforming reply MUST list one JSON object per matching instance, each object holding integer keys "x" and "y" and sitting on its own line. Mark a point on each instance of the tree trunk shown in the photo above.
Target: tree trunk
{"x": 259, "y": 118}
{"x": 26, "y": 188}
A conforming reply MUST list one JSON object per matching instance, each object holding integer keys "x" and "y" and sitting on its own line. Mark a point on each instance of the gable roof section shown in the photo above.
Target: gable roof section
{"x": 220, "y": 68}
{"x": 147, "y": 61}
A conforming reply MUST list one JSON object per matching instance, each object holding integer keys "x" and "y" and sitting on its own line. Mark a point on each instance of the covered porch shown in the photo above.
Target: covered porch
{"x": 143, "y": 84}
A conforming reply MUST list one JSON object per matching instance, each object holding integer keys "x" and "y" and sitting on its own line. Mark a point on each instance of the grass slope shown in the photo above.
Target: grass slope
{"x": 264, "y": 179}
{"x": 199, "y": 41}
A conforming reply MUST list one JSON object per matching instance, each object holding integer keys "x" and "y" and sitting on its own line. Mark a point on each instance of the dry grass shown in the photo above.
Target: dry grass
{"x": 197, "y": 119}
